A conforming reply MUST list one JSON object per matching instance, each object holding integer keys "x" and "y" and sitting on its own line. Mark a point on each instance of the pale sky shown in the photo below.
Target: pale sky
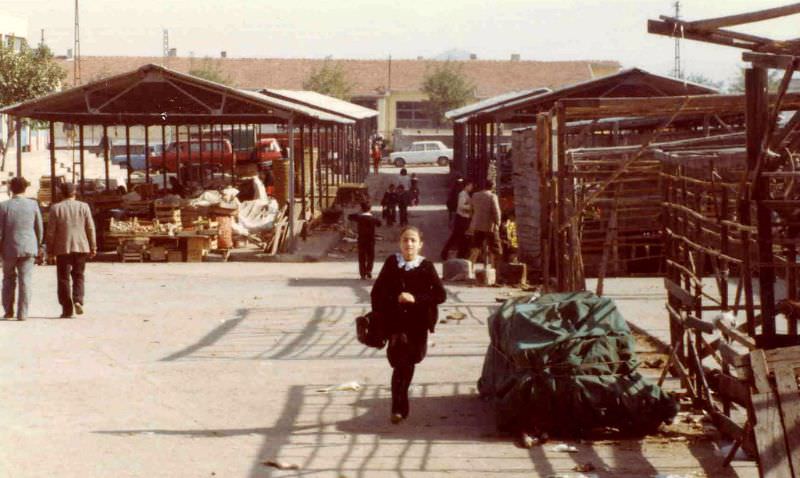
{"x": 536, "y": 29}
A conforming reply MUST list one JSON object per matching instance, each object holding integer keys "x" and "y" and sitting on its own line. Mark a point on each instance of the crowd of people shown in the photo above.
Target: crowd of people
{"x": 70, "y": 238}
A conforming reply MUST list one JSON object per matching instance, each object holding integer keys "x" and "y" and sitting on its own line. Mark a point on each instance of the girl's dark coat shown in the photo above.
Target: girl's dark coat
{"x": 412, "y": 320}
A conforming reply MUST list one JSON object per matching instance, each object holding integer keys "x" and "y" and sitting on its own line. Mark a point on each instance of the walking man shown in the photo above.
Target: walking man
{"x": 21, "y": 238}
{"x": 71, "y": 238}
{"x": 485, "y": 223}
{"x": 458, "y": 237}
{"x": 366, "y": 239}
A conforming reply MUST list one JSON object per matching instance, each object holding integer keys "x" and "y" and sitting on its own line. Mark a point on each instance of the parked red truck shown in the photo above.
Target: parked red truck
{"x": 214, "y": 153}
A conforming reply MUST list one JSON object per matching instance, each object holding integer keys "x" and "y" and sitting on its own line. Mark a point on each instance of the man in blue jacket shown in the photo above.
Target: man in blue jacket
{"x": 21, "y": 237}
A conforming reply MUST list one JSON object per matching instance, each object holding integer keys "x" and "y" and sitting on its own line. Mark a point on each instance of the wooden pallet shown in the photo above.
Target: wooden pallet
{"x": 775, "y": 405}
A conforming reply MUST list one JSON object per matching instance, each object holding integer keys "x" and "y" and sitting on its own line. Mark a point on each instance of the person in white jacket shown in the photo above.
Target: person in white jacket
{"x": 458, "y": 236}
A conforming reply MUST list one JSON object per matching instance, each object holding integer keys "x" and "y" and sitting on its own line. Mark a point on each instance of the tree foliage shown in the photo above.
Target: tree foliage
{"x": 773, "y": 81}
{"x": 329, "y": 79}
{"x": 209, "y": 70}
{"x": 447, "y": 88}
{"x": 25, "y": 75}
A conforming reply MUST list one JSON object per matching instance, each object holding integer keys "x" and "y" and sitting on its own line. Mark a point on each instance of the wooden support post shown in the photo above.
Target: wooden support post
{"x": 292, "y": 154}
{"x": 147, "y": 155}
{"x": 201, "y": 160}
{"x": 313, "y": 171}
{"x": 303, "y": 167}
{"x": 81, "y": 155}
{"x": 563, "y": 237}
{"x": 164, "y": 156}
{"x": 106, "y": 158}
{"x": 177, "y": 142}
{"x": 233, "y": 160}
{"x": 128, "y": 155}
{"x": 53, "y": 163}
{"x": 756, "y": 116}
{"x": 19, "y": 145}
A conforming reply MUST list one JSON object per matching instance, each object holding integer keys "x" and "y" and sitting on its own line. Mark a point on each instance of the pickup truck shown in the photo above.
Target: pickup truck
{"x": 137, "y": 159}
{"x": 421, "y": 152}
{"x": 213, "y": 153}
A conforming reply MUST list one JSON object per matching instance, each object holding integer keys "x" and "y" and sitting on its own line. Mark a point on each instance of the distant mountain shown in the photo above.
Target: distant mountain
{"x": 453, "y": 54}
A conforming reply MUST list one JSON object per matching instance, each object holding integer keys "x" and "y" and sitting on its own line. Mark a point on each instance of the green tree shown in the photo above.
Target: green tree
{"x": 209, "y": 70}
{"x": 447, "y": 88}
{"x": 701, "y": 79}
{"x": 329, "y": 79}
{"x": 24, "y": 75}
{"x": 774, "y": 78}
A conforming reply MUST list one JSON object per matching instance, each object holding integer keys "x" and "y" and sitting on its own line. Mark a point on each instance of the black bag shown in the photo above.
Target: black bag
{"x": 370, "y": 331}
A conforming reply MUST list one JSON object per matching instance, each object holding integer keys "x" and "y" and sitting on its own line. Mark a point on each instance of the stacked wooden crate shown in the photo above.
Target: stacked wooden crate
{"x": 167, "y": 214}
{"x": 132, "y": 250}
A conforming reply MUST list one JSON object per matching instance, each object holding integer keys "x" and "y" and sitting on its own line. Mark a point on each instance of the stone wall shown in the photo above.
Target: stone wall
{"x": 526, "y": 196}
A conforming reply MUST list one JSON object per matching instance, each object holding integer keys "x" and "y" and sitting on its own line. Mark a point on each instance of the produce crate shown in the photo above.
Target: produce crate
{"x": 174, "y": 256}
{"x": 157, "y": 254}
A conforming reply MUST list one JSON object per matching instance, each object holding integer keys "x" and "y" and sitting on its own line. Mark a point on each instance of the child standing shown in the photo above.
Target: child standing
{"x": 366, "y": 239}
{"x": 402, "y": 204}
{"x": 389, "y": 203}
{"x": 414, "y": 189}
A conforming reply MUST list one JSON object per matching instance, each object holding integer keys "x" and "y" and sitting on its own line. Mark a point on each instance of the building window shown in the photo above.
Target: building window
{"x": 413, "y": 114}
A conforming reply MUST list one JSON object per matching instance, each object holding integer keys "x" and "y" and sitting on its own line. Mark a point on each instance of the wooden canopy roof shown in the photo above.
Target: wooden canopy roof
{"x": 628, "y": 83}
{"x": 154, "y": 95}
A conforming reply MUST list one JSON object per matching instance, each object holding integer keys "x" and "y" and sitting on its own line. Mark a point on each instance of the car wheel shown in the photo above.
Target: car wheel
{"x": 399, "y": 162}
{"x": 443, "y": 161}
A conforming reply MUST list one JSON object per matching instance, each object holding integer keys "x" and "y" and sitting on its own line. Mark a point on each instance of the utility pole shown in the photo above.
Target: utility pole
{"x": 677, "y": 72}
{"x": 76, "y": 66}
{"x": 41, "y": 42}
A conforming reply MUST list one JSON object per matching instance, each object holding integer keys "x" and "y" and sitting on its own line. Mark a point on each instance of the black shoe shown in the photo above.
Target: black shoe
{"x": 396, "y": 418}
{"x": 8, "y": 315}
{"x": 78, "y": 308}
{"x": 65, "y": 315}
{"x": 369, "y": 276}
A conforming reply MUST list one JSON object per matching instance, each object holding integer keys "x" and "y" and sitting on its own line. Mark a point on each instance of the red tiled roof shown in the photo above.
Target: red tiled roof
{"x": 491, "y": 77}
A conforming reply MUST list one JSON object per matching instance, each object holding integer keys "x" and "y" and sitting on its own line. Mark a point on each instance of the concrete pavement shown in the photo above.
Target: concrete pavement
{"x": 213, "y": 369}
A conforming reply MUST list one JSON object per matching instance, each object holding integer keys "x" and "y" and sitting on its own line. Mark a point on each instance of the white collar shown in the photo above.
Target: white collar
{"x": 408, "y": 265}
{"x": 368, "y": 213}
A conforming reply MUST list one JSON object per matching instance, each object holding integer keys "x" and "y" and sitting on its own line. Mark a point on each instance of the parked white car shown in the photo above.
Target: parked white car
{"x": 423, "y": 152}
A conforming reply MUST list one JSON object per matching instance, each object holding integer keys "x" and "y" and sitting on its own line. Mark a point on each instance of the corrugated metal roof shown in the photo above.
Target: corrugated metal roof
{"x": 27, "y": 108}
{"x": 298, "y": 108}
{"x": 495, "y": 101}
{"x": 323, "y": 102}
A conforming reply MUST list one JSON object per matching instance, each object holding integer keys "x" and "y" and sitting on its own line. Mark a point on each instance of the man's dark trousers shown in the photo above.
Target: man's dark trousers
{"x": 366, "y": 257}
{"x": 70, "y": 266}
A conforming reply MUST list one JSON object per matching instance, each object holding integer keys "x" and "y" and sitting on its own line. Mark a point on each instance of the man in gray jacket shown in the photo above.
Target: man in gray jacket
{"x": 71, "y": 238}
{"x": 21, "y": 238}
{"x": 485, "y": 224}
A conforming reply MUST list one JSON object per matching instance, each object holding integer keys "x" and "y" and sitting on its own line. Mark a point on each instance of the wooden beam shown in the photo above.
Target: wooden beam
{"x": 743, "y": 18}
{"x": 767, "y": 60}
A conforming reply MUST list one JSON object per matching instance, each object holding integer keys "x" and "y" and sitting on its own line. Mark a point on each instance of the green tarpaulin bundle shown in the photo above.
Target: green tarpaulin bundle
{"x": 565, "y": 363}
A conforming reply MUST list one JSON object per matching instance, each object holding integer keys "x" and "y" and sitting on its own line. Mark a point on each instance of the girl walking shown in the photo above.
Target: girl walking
{"x": 406, "y": 296}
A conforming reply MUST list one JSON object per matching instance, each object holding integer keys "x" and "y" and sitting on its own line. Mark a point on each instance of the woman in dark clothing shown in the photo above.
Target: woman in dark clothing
{"x": 405, "y": 296}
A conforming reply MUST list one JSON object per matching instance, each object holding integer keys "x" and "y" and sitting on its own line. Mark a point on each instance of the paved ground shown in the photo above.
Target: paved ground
{"x": 193, "y": 370}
